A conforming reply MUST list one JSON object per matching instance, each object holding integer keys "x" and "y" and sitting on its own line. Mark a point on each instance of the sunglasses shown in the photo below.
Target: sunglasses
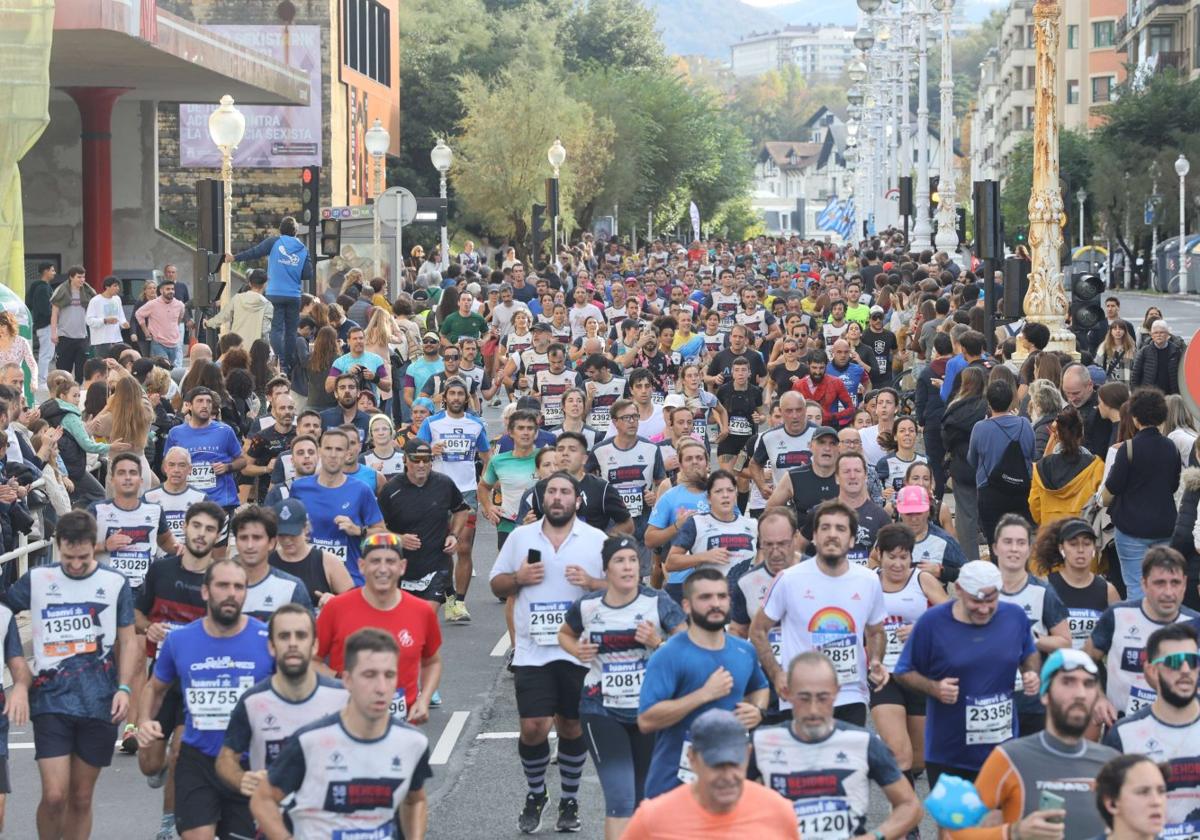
{"x": 429, "y": 341}
{"x": 1176, "y": 661}
{"x": 384, "y": 539}
{"x": 450, "y": 356}
{"x": 419, "y": 459}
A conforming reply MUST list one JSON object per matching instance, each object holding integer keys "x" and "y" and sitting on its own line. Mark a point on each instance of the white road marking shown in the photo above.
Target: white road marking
{"x": 501, "y": 647}
{"x": 449, "y": 737}
{"x": 503, "y": 736}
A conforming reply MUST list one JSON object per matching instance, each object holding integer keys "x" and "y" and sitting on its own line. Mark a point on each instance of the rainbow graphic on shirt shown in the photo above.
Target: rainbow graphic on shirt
{"x": 833, "y": 621}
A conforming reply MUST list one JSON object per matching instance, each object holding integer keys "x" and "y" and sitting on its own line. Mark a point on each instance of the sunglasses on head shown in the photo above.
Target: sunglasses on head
{"x": 1176, "y": 661}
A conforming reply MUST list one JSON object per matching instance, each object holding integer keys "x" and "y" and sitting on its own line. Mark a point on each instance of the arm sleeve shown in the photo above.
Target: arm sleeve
{"x": 526, "y": 503}
{"x": 1119, "y": 474}
{"x": 1102, "y": 633}
{"x": 659, "y": 682}
{"x": 1000, "y": 788}
{"x": 686, "y": 538}
{"x": 489, "y": 475}
{"x": 16, "y": 597}
{"x": 237, "y": 733}
{"x": 614, "y": 506}
{"x": 775, "y": 604}
{"x": 300, "y": 596}
{"x": 670, "y": 614}
{"x": 881, "y": 764}
{"x": 287, "y": 770}
{"x": 164, "y": 664}
{"x": 258, "y": 251}
{"x": 1053, "y": 611}
{"x": 506, "y": 560}
{"x": 125, "y": 605}
{"x": 1112, "y": 738}
{"x": 12, "y": 640}
{"x": 659, "y": 472}
{"x": 574, "y": 617}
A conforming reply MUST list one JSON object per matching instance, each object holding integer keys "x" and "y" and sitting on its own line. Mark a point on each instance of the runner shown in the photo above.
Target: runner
{"x": 340, "y": 509}
{"x": 268, "y": 714}
{"x": 844, "y": 620}
{"x": 264, "y": 447}
{"x": 900, "y": 447}
{"x": 646, "y": 401}
{"x": 969, "y": 684}
{"x": 428, "y": 512}
{"x": 513, "y": 472}
{"x": 614, "y": 632}
{"x": 346, "y": 391}
{"x": 384, "y": 456}
{"x": 897, "y": 712}
{"x": 632, "y": 464}
{"x": 341, "y": 790}
{"x": 15, "y": 700}
{"x": 806, "y": 487}
{"x": 704, "y": 668}
{"x": 743, "y": 404}
{"x": 546, "y": 566}
{"x": 934, "y": 550}
{"x": 549, "y": 386}
{"x": 214, "y": 448}
{"x": 215, "y": 659}
{"x": 1066, "y": 550}
{"x": 254, "y": 532}
{"x": 302, "y": 463}
{"x": 381, "y": 603}
{"x": 1119, "y": 638}
{"x": 308, "y": 424}
{"x": 721, "y": 538}
{"x": 783, "y": 447}
{"x": 321, "y": 572}
{"x": 574, "y": 405}
{"x": 602, "y": 507}
{"x": 825, "y": 766}
{"x": 175, "y": 496}
{"x": 83, "y": 662}
{"x": 851, "y": 477}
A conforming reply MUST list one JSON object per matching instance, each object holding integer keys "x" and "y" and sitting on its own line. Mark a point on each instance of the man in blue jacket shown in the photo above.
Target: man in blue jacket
{"x": 287, "y": 266}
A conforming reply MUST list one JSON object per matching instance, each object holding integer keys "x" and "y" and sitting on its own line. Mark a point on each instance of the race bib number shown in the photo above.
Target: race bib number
{"x": 418, "y": 585}
{"x": 202, "y": 477}
{"x": 989, "y": 719}
{"x": 599, "y": 417}
{"x": 1181, "y": 831}
{"x": 545, "y": 617}
{"x": 67, "y": 630}
{"x": 552, "y": 413}
{"x": 657, "y": 398}
{"x": 824, "y": 819}
{"x": 685, "y": 773}
{"x": 740, "y": 426}
{"x": 132, "y": 564}
{"x": 1082, "y": 622}
{"x": 457, "y": 448}
{"x": 210, "y": 708}
{"x": 775, "y": 640}
{"x": 379, "y": 832}
{"x": 632, "y": 497}
{"x": 700, "y": 428}
{"x": 1139, "y": 698}
{"x": 895, "y": 645}
{"x": 337, "y": 549}
{"x": 842, "y": 651}
{"x": 621, "y": 683}
{"x": 398, "y": 707}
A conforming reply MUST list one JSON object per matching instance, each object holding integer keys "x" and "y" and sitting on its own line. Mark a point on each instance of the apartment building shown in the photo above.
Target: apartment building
{"x": 1157, "y": 35}
{"x": 817, "y": 51}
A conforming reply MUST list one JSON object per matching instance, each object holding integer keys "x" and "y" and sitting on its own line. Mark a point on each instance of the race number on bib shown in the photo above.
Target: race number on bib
{"x": 210, "y": 708}
{"x": 989, "y": 719}
{"x": 740, "y": 426}
{"x": 545, "y": 617}
{"x": 1181, "y": 831}
{"x": 337, "y": 549}
{"x": 658, "y": 399}
{"x": 632, "y": 497}
{"x": 398, "y": 707}
{"x": 67, "y": 630}
{"x": 457, "y": 448}
{"x": 843, "y": 653}
{"x": 203, "y": 477}
{"x": 775, "y": 640}
{"x": 895, "y": 645}
{"x": 552, "y": 413}
{"x": 685, "y": 773}
{"x": 621, "y": 683}
{"x": 824, "y": 819}
{"x": 132, "y": 564}
{"x": 1139, "y": 698}
{"x": 379, "y": 832}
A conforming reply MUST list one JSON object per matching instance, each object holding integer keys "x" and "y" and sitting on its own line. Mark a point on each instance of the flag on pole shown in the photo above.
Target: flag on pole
{"x": 694, "y": 211}
{"x": 826, "y": 219}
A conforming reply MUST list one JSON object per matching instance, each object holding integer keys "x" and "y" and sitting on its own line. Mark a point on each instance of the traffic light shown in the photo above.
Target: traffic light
{"x": 906, "y": 196}
{"x": 934, "y": 180}
{"x": 1016, "y": 284}
{"x": 210, "y": 217}
{"x": 331, "y": 237}
{"x": 310, "y": 196}
{"x": 1019, "y": 236}
{"x": 538, "y": 227}
{"x": 960, "y": 225}
{"x": 1086, "y": 309}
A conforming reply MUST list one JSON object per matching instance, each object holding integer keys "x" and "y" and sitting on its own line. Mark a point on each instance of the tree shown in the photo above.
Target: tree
{"x": 612, "y": 33}
{"x": 507, "y": 126}
{"x": 1075, "y": 171}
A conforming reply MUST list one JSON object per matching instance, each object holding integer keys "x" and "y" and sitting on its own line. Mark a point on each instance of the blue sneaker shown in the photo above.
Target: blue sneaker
{"x": 436, "y": 699}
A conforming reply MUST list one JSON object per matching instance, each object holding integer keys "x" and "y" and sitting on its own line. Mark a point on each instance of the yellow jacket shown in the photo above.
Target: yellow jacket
{"x": 1061, "y": 488}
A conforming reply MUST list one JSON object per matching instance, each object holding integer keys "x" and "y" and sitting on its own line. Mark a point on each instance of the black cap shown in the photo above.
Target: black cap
{"x": 416, "y": 446}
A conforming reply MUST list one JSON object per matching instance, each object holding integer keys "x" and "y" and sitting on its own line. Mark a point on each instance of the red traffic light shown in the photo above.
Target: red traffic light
{"x": 306, "y": 175}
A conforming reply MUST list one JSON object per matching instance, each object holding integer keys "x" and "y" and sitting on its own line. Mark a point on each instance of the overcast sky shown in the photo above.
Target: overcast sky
{"x": 976, "y": 9}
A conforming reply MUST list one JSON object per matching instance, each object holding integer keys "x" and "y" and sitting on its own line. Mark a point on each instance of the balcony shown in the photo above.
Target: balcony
{"x": 1122, "y": 30}
{"x": 1170, "y": 60}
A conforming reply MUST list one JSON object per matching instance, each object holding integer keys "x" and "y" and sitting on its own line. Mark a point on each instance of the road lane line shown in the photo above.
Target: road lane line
{"x": 501, "y": 647}
{"x": 449, "y": 737}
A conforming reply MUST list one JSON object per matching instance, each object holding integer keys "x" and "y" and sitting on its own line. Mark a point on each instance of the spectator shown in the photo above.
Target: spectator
{"x": 1117, "y": 352}
{"x": 929, "y": 409}
{"x": 37, "y": 299}
{"x": 1068, "y": 476}
{"x": 1045, "y": 402}
{"x": 966, "y": 409}
{"x": 1140, "y": 489}
{"x": 1153, "y": 314}
{"x": 68, "y": 321}
{"x": 249, "y": 313}
{"x": 1180, "y": 428}
{"x": 1184, "y": 540}
{"x": 1001, "y": 452}
{"x": 970, "y": 346}
{"x": 1080, "y": 391}
{"x": 1157, "y": 362}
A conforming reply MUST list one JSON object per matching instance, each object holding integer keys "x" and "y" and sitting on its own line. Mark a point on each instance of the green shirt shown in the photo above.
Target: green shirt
{"x": 859, "y": 313}
{"x": 515, "y": 475}
{"x": 455, "y": 326}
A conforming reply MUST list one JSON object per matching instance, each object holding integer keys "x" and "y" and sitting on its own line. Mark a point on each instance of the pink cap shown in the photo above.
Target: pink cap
{"x": 912, "y": 499}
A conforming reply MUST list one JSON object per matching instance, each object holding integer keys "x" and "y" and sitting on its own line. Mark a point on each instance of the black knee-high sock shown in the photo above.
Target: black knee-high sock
{"x": 535, "y": 758}
{"x": 743, "y": 501}
{"x": 572, "y": 755}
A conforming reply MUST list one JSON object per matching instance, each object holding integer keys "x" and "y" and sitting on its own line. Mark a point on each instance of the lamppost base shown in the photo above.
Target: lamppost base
{"x": 1062, "y": 340}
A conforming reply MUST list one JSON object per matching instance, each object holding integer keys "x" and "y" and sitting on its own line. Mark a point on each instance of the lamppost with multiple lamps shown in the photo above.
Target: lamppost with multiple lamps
{"x": 227, "y": 127}
{"x": 377, "y": 141}
{"x": 947, "y": 218}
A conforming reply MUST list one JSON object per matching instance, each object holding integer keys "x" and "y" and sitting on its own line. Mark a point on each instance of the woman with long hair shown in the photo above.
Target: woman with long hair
{"x": 921, "y": 475}
{"x": 1153, "y": 313}
{"x": 262, "y": 370}
{"x": 964, "y": 411}
{"x": 236, "y": 358}
{"x": 381, "y": 335}
{"x": 1068, "y": 475}
{"x": 324, "y": 350}
{"x": 1180, "y": 428}
{"x": 1117, "y": 352}
{"x": 14, "y": 348}
{"x": 447, "y": 305}
{"x": 574, "y": 407}
{"x": 704, "y": 406}
{"x": 900, "y": 446}
{"x": 128, "y": 416}
{"x": 94, "y": 402}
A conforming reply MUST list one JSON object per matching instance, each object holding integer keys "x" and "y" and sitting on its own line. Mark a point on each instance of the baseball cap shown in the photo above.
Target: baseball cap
{"x": 719, "y": 737}
{"x": 675, "y": 401}
{"x": 876, "y": 310}
{"x": 416, "y": 446}
{"x": 1065, "y": 659}
{"x": 912, "y": 499}
{"x": 825, "y": 431}
{"x": 977, "y": 576}
{"x": 292, "y": 517}
{"x": 430, "y": 336}
{"x": 1072, "y": 528}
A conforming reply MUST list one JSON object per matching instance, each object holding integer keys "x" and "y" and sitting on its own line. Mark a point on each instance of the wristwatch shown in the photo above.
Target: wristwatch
{"x": 878, "y": 835}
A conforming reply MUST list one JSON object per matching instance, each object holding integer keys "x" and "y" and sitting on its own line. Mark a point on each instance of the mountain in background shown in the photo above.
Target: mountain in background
{"x": 709, "y": 27}
{"x": 816, "y": 11}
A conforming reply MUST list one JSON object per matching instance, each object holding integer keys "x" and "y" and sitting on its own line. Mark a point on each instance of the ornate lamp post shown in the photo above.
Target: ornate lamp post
{"x": 377, "y": 141}
{"x": 922, "y": 227}
{"x": 1081, "y": 196}
{"x": 226, "y": 127}
{"x": 557, "y": 155}
{"x": 442, "y": 157}
{"x": 947, "y": 232}
{"x": 1182, "y": 167}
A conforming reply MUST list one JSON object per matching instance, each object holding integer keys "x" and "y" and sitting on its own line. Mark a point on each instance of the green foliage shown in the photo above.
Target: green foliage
{"x": 612, "y": 33}
{"x": 1075, "y": 155}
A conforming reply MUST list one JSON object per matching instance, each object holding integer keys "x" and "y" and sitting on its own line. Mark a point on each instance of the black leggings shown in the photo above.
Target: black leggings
{"x": 621, "y": 753}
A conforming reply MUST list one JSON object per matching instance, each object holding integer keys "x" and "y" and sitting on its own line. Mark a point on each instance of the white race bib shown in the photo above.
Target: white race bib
{"x": 210, "y": 708}
{"x": 379, "y": 832}
{"x": 67, "y": 630}
{"x": 398, "y": 708}
{"x": 632, "y": 497}
{"x": 685, "y": 773}
{"x": 740, "y": 426}
{"x": 203, "y": 477}
{"x": 457, "y": 448}
{"x": 775, "y": 639}
{"x": 337, "y": 549}
{"x": 891, "y": 627}
{"x": 989, "y": 720}
{"x": 545, "y": 617}
{"x": 658, "y": 399}
{"x": 418, "y": 585}
{"x": 621, "y": 683}
{"x": 1139, "y": 698}
{"x": 842, "y": 651}
{"x": 132, "y": 564}
{"x": 552, "y": 413}
{"x": 824, "y": 819}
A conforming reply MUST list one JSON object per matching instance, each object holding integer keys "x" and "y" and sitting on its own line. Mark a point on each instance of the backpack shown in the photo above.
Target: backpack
{"x": 1011, "y": 473}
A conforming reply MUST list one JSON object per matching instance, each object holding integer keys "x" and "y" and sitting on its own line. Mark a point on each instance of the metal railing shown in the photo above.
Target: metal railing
{"x": 24, "y": 546}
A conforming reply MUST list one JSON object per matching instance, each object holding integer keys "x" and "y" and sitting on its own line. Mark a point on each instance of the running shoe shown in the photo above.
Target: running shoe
{"x": 129, "y": 744}
{"x": 531, "y": 818}
{"x": 568, "y": 815}
{"x": 455, "y": 610}
{"x": 158, "y": 779}
{"x": 436, "y": 699}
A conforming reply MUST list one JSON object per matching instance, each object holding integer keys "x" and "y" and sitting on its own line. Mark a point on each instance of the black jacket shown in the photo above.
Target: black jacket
{"x": 1145, "y": 366}
{"x": 1097, "y": 432}
{"x": 1182, "y": 540}
{"x": 1041, "y": 435}
{"x": 928, "y": 398}
{"x": 958, "y": 421}
{"x": 1144, "y": 490}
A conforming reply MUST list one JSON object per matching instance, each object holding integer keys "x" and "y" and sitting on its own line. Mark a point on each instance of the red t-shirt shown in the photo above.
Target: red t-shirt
{"x": 412, "y": 622}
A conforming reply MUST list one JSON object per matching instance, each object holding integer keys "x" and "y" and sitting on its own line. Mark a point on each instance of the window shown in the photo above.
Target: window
{"x": 1162, "y": 39}
{"x": 1029, "y": 39}
{"x": 1103, "y": 33}
{"x": 1030, "y": 77}
{"x": 1072, "y": 91}
{"x": 367, "y": 39}
{"x": 1102, "y": 88}
{"x": 1072, "y": 36}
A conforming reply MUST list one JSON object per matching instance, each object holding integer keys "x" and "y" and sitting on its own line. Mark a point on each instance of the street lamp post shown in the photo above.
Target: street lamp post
{"x": 1081, "y": 197}
{"x": 1155, "y": 201}
{"x": 1182, "y": 167}
{"x": 922, "y": 227}
{"x": 947, "y": 232}
{"x": 557, "y": 155}
{"x": 377, "y": 141}
{"x": 226, "y": 127}
{"x": 442, "y": 157}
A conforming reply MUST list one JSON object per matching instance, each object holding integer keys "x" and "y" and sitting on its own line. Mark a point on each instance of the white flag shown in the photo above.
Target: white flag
{"x": 695, "y": 214}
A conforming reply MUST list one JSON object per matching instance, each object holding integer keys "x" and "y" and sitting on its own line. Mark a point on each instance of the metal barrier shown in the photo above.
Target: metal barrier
{"x": 24, "y": 546}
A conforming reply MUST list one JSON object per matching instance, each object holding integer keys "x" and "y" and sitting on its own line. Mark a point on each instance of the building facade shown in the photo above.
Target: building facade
{"x": 816, "y": 51}
{"x": 1157, "y": 35}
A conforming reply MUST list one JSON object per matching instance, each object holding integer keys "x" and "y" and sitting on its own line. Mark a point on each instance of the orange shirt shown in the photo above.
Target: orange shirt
{"x": 760, "y": 813}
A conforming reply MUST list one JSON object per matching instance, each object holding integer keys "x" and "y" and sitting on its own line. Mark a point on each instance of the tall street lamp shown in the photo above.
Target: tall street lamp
{"x": 947, "y": 232}
{"x": 922, "y": 227}
{"x": 1182, "y": 167}
{"x": 442, "y": 157}
{"x": 226, "y": 127}
{"x": 1081, "y": 197}
{"x": 557, "y": 155}
{"x": 377, "y": 141}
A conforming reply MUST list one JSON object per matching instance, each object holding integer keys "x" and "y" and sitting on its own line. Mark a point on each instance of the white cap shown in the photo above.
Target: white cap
{"x": 978, "y": 576}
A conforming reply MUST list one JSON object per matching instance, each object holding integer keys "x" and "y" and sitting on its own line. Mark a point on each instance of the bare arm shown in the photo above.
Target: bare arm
{"x": 760, "y": 626}
{"x": 264, "y": 805}
{"x": 414, "y": 814}
{"x": 906, "y": 809}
